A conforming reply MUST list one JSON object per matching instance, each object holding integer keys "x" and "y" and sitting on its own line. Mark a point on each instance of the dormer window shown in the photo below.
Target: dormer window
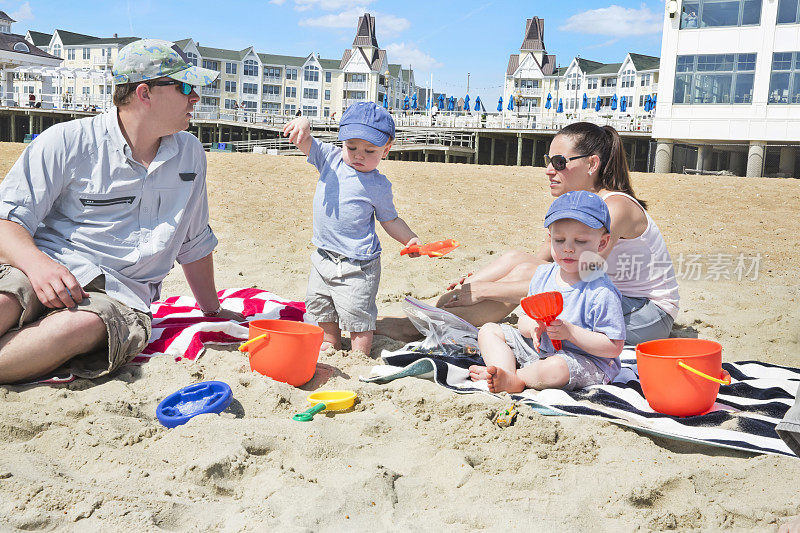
{"x": 22, "y": 47}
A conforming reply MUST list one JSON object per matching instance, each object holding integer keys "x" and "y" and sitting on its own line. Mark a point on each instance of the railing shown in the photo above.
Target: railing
{"x": 607, "y": 91}
{"x": 350, "y": 101}
{"x": 355, "y": 86}
{"x": 530, "y": 91}
{"x": 273, "y": 79}
{"x": 101, "y": 60}
{"x": 268, "y": 97}
{"x": 208, "y": 91}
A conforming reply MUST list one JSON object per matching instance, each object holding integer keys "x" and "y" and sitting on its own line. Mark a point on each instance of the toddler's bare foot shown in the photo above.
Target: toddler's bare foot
{"x": 499, "y": 380}
{"x": 328, "y": 347}
{"x": 478, "y": 373}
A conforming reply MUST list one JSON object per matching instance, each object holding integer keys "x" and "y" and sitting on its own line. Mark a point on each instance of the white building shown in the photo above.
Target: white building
{"x": 15, "y": 54}
{"x": 730, "y": 86}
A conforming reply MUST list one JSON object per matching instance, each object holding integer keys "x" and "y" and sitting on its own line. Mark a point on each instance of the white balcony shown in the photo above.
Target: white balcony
{"x": 355, "y": 86}
{"x": 99, "y": 61}
{"x": 209, "y": 91}
{"x": 608, "y": 91}
{"x": 350, "y": 101}
{"x": 530, "y": 91}
{"x": 266, "y": 97}
{"x": 273, "y": 79}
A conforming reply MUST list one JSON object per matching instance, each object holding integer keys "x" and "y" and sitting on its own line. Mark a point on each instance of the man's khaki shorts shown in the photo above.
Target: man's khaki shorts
{"x": 128, "y": 329}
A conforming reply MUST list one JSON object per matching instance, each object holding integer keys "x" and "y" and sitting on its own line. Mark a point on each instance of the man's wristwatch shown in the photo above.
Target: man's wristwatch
{"x": 215, "y": 312}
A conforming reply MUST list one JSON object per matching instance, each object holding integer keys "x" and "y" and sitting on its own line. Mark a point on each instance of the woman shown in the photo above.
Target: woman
{"x": 583, "y": 156}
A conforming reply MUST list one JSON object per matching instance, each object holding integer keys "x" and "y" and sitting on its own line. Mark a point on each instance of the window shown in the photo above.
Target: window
{"x": 87, "y": 53}
{"x": 272, "y": 72}
{"x": 271, "y": 89}
{"x": 573, "y": 81}
{"x": 250, "y": 68}
{"x": 57, "y": 50}
{"x": 360, "y": 78}
{"x": 249, "y": 88}
{"x": 713, "y": 13}
{"x": 230, "y": 86}
{"x": 192, "y": 57}
{"x": 591, "y": 83}
{"x": 326, "y": 112}
{"x": 272, "y": 108}
{"x": 645, "y": 80}
{"x": 784, "y": 82}
{"x": 641, "y": 100}
{"x": 310, "y": 73}
{"x": 231, "y": 104}
{"x": 327, "y": 77}
{"x": 206, "y": 101}
{"x": 210, "y": 64}
{"x": 85, "y": 90}
{"x": 247, "y": 105}
{"x": 311, "y": 94}
{"x": 327, "y": 94}
{"x": 21, "y": 47}
{"x": 291, "y": 109}
{"x": 291, "y": 92}
{"x": 609, "y": 82}
{"x": 310, "y": 110}
{"x": 70, "y": 53}
{"x": 628, "y": 78}
{"x": 787, "y": 11}
{"x": 291, "y": 73}
{"x": 714, "y": 79}
{"x": 230, "y": 68}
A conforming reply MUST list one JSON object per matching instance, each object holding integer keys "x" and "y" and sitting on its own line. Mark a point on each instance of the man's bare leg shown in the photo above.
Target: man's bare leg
{"x": 45, "y": 345}
{"x": 10, "y": 311}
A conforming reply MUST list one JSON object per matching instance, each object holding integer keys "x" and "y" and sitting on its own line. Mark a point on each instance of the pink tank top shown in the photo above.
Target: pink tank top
{"x": 642, "y": 267}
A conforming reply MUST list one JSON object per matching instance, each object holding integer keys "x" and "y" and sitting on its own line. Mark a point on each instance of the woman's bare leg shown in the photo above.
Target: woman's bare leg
{"x": 512, "y": 267}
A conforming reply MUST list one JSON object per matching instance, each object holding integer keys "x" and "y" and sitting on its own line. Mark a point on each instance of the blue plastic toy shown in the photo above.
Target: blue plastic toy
{"x": 200, "y": 398}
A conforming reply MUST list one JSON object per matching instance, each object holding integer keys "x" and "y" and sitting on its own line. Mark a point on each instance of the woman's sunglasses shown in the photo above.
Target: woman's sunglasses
{"x": 559, "y": 162}
{"x": 182, "y": 86}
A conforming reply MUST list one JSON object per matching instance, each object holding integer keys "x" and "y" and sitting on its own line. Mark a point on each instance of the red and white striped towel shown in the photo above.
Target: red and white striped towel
{"x": 181, "y": 330}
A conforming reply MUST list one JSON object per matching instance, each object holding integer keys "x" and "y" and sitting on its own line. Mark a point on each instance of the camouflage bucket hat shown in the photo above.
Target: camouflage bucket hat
{"x": 148, "y": 59}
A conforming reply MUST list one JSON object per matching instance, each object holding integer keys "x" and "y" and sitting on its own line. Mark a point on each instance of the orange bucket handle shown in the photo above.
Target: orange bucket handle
{"x": 726, "y": 378}
{"x": 243, "y": 346}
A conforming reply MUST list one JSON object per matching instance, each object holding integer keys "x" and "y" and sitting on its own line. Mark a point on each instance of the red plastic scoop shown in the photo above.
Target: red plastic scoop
{"x": 544, "y": 307}
{"x": 433, "y": 249}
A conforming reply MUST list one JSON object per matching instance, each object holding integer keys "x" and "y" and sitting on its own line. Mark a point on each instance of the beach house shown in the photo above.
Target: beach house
{"x": 16, "y": 56}
{"x": 729, "y": 95}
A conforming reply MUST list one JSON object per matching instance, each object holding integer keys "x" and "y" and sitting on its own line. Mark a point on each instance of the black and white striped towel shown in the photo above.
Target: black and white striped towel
{"x": 743, "y": 418}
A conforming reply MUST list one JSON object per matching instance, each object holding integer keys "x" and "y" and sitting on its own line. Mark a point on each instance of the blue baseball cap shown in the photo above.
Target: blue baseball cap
{"x": 583, "y": 206}
{"x": 366, "y": 121}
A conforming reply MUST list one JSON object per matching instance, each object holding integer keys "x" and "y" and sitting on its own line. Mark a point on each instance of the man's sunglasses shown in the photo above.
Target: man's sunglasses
{"x": 559, "y": 162}
{"x": 182, "y": 86}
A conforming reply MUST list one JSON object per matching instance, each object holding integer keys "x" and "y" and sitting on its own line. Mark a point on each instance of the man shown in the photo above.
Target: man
{"x": 93, "y": 216}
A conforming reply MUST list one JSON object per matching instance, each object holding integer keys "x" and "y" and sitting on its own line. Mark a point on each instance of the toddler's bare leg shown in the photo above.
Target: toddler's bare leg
{"x": 550, "y": 373}
{"x": 331, "y": 336}
{"x": 495, "y": 352}
{"x": 361, "y": 341}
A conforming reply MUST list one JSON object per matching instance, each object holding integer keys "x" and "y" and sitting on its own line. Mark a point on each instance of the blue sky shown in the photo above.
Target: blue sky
{"x": 447, "y": 38}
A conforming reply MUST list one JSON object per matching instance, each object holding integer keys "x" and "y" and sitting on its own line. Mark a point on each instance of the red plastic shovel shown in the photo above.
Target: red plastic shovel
{"x": 544, "y": 307}
{"x": 433, "y": 249}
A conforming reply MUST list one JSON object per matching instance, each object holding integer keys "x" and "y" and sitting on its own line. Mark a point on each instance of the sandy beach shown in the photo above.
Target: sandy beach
{"x": 90, "y": 456}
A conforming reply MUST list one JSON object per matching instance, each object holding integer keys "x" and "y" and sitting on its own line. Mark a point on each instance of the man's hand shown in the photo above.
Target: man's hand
{"x": 299, "y": 133}
{"x": 54, "y": 284}
{"x": 464, "y": 296}
{"x": 230, "y": 315}
{"x": 460, "y": 281}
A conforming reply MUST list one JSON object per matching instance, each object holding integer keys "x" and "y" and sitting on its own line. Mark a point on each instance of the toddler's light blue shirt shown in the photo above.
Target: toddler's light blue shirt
{"x": 594, "y": 305}
{"x": 346, "y": 204}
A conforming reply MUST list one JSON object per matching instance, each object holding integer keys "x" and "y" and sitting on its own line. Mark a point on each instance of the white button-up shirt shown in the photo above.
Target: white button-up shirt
{"x": 92, "y": 208}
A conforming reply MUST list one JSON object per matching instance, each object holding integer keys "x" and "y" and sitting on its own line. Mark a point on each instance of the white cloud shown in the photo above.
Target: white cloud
{"x": 386, "y": 25}
{"x": 330, "y": 5}
{"x": 616, "y": 21}
{"x": 277, "y": 2}
{"x": 409, "y": 54}
{"x": 603, "y": 44}
{"x": 24, "y": 12}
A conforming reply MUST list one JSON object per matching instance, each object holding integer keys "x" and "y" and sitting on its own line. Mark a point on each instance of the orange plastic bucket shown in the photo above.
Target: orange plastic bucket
{"x": 284, "y": 350}
{"x": 681, "y": 377}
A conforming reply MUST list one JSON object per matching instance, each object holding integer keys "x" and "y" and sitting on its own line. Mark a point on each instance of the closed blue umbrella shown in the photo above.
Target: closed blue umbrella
{"x": 655, "y": 97}
{"x": 441, "y": 102}
{"x": 478, "y": 104}
{"x": 548, "y": 105}
{"x": 647, "y": 103}
{"x": 500, "y": 104}
{"x": 597, "y": 104}
{"x": 560, "y": 106}
{"x": 511, "y": 103}
{"x": 466, "y": 103}
{"x": 614, "y": 102}
{"x": 414, "y": 101}
{"x": 405, "y": 103}
{"x": 622, "y": 103}
{"x": 585, "y": 101}
{"x": 385, "y": 102}
{"x": 451, "y": 103}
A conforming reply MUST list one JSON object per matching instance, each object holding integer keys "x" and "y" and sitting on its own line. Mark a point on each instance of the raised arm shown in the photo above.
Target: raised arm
{"x": 299, "y": 133}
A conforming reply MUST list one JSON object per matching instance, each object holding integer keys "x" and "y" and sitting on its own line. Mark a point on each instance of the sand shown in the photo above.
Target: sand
{"x": 91, "y": 456}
